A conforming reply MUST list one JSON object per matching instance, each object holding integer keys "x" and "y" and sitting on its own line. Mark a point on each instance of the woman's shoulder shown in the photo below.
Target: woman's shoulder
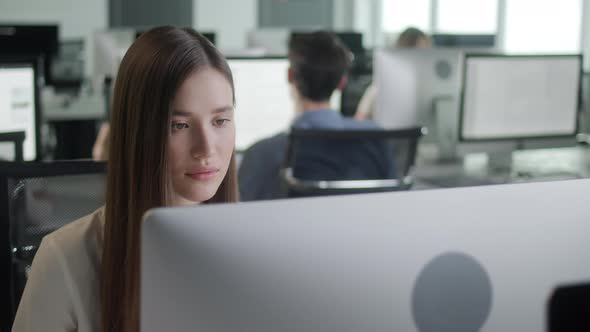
{"x": 80, "y": 240}
{"x": 62, "y": 287}
{"x": 86, "y": 228}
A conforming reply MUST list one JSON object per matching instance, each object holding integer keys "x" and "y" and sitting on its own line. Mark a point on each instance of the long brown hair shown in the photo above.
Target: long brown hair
{"x": 149, "y": 76}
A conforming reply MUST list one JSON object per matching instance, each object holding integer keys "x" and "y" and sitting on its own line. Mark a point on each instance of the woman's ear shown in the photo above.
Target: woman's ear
{"x": 342, "y": 83}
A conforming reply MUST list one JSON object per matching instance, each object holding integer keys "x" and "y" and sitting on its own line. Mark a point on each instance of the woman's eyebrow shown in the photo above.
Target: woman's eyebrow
{"x": 180, "y": 113}
{"x": 222, "y": 109}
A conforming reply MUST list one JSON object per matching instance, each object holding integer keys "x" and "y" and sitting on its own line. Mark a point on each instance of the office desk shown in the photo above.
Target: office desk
{"x": 526, "y": 166}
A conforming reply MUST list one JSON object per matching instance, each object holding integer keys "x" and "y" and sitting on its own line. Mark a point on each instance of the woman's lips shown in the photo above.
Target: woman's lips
{"x": 203, "y": 174}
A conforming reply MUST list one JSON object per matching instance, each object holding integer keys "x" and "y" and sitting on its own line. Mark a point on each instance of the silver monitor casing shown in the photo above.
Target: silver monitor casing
{"x": 367, "y": 262}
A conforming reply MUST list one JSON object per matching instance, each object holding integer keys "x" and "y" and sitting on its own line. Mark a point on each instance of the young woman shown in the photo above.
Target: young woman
{"x": 171, "y": 144}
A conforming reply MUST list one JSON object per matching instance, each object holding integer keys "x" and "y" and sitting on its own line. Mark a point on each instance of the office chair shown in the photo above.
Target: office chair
{"x": 334, "y": 162}
{"x": 36, "y": 199}
{"x": 18, "y": 139}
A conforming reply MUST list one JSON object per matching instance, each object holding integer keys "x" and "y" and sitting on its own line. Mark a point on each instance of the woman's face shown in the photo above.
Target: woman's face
{"x": 202, "y": 136}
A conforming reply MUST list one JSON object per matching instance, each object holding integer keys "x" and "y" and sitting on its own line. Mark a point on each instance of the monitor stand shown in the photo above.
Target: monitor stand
{"x": 500, "y": 162}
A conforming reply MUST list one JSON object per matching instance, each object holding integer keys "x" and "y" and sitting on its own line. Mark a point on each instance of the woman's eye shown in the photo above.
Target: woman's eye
{"x": 179, "y": 125}
{"x": 220, "y": 122}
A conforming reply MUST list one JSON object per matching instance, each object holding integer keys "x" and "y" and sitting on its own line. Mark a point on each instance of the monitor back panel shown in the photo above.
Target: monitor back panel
{"x": 471, "y": 259}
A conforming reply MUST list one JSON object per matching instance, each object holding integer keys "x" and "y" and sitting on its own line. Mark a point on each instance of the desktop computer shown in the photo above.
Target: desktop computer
{"x": 264, "y": 104}
{"x": 211, "y": 36}
{"x": 410, "y": 84}
{"x": 270, "y": 41}
{"x": 67, "y": 69}
{"x": 41, "y": 41}
{"x": 471, "y": 41}
{"x": 19, "y": 104}
{"x": 108, "y": 49}
{"x": 519, "y": 99}
{"x": 471, "y": 259}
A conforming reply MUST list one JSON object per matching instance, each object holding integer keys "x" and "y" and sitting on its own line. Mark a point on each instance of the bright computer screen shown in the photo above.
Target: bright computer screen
{"x": 264, "y": 105}
{"x": 507, "y": 97}
{"x": 18, "y": 107}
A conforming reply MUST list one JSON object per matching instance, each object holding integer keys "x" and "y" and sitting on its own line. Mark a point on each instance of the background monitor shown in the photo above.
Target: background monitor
{"x": 19, "y": 104}
{"x": 67, "y": 69}
{"x": 410, "y": 82}
{"x": 464, "y": 41}
{"x": 109, "y": 48}
{"x": 264, "y": 105}
{"x": 519, "y": 97}
{"x": 37, "y": 40}
{"x": 271, "y": 41}
{"x": 352, "y": 40}
{"x": 487, "y": 259}
{"x": 209, "y": 35}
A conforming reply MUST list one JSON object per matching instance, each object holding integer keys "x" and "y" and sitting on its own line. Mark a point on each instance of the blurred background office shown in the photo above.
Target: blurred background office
{"x": 84, "y": 41}
{"x": 501, "y": 89}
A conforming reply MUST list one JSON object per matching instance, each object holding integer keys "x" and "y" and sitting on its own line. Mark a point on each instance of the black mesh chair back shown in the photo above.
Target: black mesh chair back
{"x": 35, "y": 200}
{"x": 329, "y": 162}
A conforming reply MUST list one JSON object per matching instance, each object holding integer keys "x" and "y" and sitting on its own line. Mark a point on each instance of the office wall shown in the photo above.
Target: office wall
{"x": 230, "y": 19}
{"x": 344, "y": 14}
{"x": 77, "y": 18}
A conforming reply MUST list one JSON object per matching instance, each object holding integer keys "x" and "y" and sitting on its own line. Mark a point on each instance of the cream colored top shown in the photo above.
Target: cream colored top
{"x": 366, "y": 108}
{"x": 62, "y": 292}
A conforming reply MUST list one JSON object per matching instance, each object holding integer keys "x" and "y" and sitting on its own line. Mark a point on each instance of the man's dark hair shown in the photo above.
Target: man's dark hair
{"x": 319, "y": 60}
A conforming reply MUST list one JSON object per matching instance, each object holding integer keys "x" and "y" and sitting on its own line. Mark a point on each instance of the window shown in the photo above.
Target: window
{"x": 467, "y": 16}
{"x": 554, "y": 26}
{"x": 400, "y": 14}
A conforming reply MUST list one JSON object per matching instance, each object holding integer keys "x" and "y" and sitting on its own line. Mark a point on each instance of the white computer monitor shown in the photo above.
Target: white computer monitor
{"x": 471, "y": 259}
{"x": 519, "y": 97}
{"x": 264, "y": 104}
{"x": 19, "y": 105}
{"x": 108, "y": 49}
{"x": 409, "y": 83}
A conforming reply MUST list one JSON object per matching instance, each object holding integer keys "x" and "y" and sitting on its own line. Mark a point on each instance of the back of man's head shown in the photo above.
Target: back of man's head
{"x": 319, "y": 61}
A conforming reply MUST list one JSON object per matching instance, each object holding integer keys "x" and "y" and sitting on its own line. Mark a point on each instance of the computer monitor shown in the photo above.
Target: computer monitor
{"x": 411, "y": 81}
{"x": 519, "y": 97}
{"x": 209, "y": 35}
{"x": 37, "y": 40}
{"x": 19, "y": 104}
{"x": 264, "y": 105}
{"x": 271, "y": 41}
{"x": 352, "y": 40}
{"x": 465, "y": 41}
{"x": 471, "y": 259}
{"x": 67, "y": 68}
{"x": 109, "y": 48}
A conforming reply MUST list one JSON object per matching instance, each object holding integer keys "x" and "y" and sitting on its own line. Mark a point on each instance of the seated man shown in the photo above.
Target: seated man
{"x": 318, "y": 66}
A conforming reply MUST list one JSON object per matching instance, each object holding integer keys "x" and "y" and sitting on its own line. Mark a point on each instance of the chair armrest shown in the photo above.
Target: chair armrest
{"x": 345, "y": 185}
